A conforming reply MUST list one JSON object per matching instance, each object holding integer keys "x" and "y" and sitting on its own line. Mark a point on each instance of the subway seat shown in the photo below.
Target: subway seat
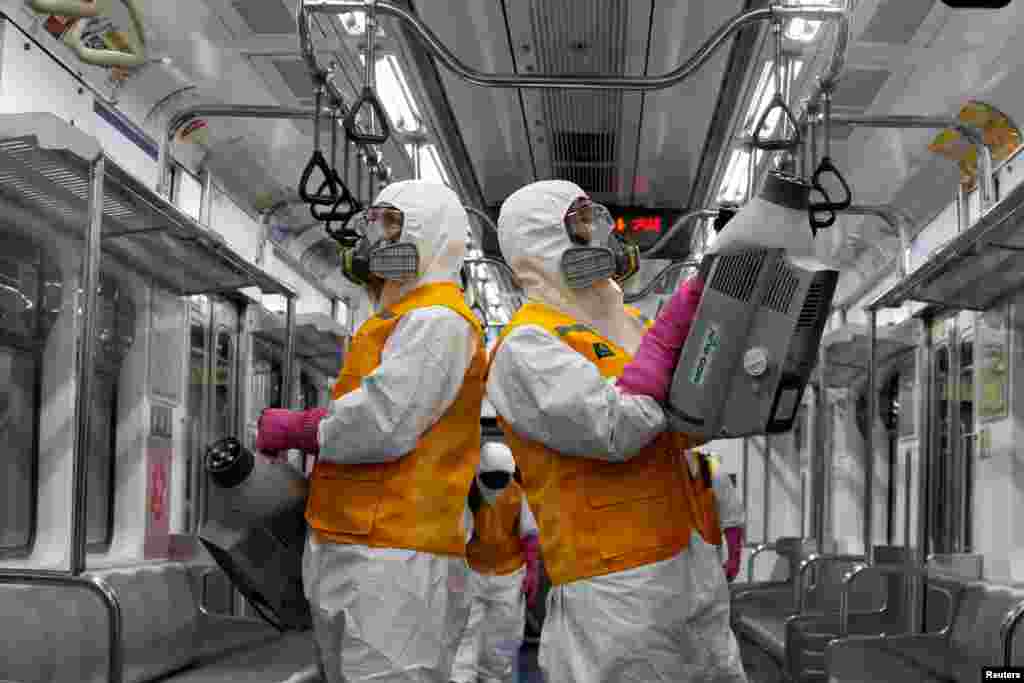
{"x": 974, "y": 640}
{"x": 59, "y": 634}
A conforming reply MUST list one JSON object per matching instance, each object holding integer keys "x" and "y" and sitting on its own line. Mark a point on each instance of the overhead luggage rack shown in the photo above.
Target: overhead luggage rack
{"x": 975, "y": 269}
{"x": 318, "y": 338}
{"x": 848, "y": 350}
{"x": 45, "y": 168}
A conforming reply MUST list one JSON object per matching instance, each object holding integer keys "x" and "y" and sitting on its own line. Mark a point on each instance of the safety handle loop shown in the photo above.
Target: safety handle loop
{"x": 368, "y": 97}
{"x": 327, "y": 193}
{"x": 815, "y": 208}
{"x": 343, "y": 208}
{"x": 779, "y": 144}
{"x": 826, "y": 166}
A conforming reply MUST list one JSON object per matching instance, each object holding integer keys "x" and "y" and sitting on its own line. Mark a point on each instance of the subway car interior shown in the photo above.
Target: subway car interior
{"x": 175, "y": 178}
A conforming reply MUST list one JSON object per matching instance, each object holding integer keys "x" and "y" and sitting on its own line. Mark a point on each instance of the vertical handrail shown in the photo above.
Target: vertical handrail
{"x": 869, "y": 438}
{"x": 94, "y": 584}
{"x": 289, "y": 399}
{"x": 86, "y": 363}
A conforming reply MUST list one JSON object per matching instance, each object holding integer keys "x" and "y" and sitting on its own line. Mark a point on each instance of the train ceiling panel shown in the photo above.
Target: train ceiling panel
{"x": 266, "y": 16}
{"x": 897, "y": 21}
{"x": 858, "y": 88}
{"x": 675, "y": 122}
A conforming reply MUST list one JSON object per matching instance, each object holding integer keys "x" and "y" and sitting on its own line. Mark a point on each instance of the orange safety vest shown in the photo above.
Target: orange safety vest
{"x": 417, "y": 501}
{"x": 710, "y": 525}
{"x": 597, "y": 517}
{"x": 495, "y": 546}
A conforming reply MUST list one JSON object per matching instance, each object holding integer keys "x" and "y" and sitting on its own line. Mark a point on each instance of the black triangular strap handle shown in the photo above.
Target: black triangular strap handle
{"x": 826, "y": 166}
{"x": 327, "y": 193}
{"x": 344, "y": 206}
{"x": 815, "y": 208}
{"x": 354, "y": 134}
{"x": 778, "y": 144}
{"x": 344, "y": 236}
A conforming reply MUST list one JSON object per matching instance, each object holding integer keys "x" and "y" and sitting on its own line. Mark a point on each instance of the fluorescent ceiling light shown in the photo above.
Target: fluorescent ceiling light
{"x": 803, "y": 30}
{"x": 394, "y": 94}
{"x": 431, "y": 167}
{"x": 353, "y": 22}
{"x": 734, "y": 182}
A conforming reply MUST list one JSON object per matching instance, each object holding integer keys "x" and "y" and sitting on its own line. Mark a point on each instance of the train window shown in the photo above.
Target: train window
{"x": 267, "y": 378}
{"x": 224, "y": 383}
{"x": 115, "y": 328}
{"x": 907, "y": 417}
{"x": 195, "y": 410}
{"x": 30, "y": 299}
{"x": 309, "y": 391}
{"x": 187, "y": 192}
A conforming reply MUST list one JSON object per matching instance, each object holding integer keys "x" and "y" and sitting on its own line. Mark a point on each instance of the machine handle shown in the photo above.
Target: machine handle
{"x": 368, "y": 97}
{"x": 329, "y": 184}
{"x": 826, "y": 166}
{"x": 779, "y": 144}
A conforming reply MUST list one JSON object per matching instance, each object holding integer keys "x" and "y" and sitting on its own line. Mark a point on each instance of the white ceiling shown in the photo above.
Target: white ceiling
{"x": 907, "y": 57}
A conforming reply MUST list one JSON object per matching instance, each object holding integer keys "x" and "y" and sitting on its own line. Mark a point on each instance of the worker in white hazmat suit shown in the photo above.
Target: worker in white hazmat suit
{"x": 637, "y": 594}
{"x": 504, "y": 559}
{"x": 397, "y": 448}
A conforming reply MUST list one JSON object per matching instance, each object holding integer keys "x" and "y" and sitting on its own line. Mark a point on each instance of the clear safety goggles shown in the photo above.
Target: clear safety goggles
{"x": 381, "y": 223}
{"x": 587, "y": 222}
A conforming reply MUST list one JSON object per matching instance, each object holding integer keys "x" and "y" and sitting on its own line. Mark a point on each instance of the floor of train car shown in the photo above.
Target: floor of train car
{"x": 299, "y": 653}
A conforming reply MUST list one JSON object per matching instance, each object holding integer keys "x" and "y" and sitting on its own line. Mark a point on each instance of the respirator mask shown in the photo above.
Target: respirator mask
{"x": 373, "y": 247}
{"x": 598, "y": 253}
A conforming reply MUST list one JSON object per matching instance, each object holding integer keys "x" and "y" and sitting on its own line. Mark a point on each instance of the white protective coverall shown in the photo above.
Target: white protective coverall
{"x": 497, "y": 613}
{"x": 394, "y": 615}
{"x": 665, "y": 621}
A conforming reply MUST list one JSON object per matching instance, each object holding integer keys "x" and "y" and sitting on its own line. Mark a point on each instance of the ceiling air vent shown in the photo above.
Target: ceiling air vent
{"x": 265, "y": 17}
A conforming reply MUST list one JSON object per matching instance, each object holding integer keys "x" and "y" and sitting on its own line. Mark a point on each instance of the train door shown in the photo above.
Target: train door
{"x": 213, "y": 392}
{"x": 895, "y": 404}
{"x": 211, "y": 414}
{"x": 30, "y": 297}
{"x": 950, "y": 480}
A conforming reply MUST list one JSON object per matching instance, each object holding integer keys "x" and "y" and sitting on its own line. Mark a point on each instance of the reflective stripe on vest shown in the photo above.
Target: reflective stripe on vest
{"x": 596, "y": 517}
{"x": 417, "y": 501}
{"x": 495, "y": 546}
{"x": 710, "y": 526}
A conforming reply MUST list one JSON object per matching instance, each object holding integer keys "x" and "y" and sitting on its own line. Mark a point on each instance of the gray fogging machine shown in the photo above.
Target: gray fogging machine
{"x": 256, "y": 532}
{"x": 755, "y": 337}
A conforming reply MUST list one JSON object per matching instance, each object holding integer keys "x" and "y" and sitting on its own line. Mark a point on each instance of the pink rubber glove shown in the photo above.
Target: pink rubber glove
{"x": 734, "y": 541}
{"x": 650, "y": 371}
{"x": 531, "y": 582}
{"x": 282, "y": 430}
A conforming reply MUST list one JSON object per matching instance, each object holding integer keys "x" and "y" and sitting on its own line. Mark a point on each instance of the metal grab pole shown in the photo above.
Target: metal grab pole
{"x": 676, "y": 227}
{"x": 898, "y": 220}
{"x": 290, "y": 400}
{"x": 746, "y": 478}
{"x": 869, "y": 439}
{"x": 767, "y": 456}
{"x": 562, "y": 82}
{"x": 86, "y": 365}
{"x": 972, "y": 133}
{"x": 243, "y": 111}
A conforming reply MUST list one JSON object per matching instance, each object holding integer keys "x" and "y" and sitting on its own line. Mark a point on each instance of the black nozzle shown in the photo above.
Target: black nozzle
{"x": 229, "y": 463}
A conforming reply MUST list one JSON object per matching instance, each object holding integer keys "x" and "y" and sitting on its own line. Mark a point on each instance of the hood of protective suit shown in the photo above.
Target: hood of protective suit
{"x": 532, "y": 236}
{"x": 494, "y": 457}
{"x": 436, "y": 223}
